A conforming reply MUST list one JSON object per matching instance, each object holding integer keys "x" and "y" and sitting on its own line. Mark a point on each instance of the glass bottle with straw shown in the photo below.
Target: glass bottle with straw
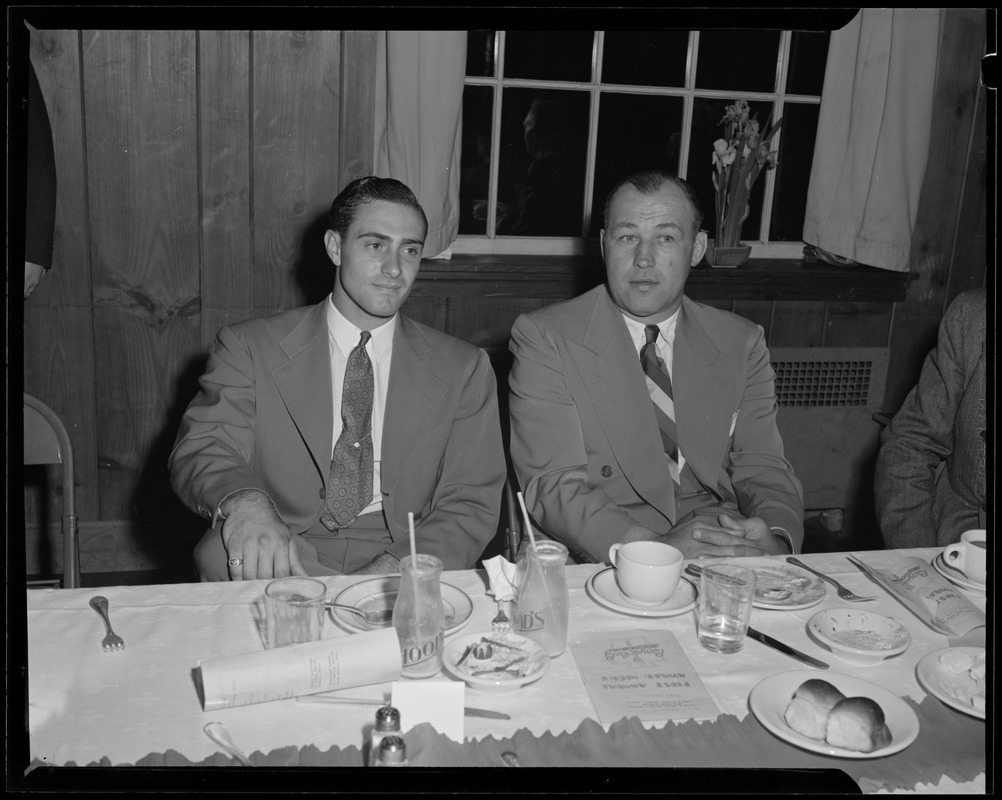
{"x": 418, "y": 616}
{"x": 541, "y": 600}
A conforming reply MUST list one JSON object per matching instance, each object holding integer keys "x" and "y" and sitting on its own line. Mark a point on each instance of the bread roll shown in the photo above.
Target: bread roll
{"x": 857, "y": 723}
{"x": 808, "y": 711}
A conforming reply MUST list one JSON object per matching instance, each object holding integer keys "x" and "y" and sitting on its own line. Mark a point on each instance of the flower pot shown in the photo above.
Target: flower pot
{"x": 727, "y": 256}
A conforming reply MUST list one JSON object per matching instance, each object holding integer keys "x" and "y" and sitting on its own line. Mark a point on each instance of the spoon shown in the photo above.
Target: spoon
{"x": 219, "y": 734}
{"x": 382, "y": 617}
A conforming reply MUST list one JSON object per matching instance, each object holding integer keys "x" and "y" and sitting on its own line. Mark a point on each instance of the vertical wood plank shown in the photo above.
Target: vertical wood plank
{"x": 296, "y": 119}
{"x": 141, "y": 137}
{"x": 225, "y": 178}
{"x": 758, "y": 311}
{"x": 486, "y": 321}
{"x": 358, "y": 93}
{"x": 962, "y": 46}
{"x": 58, "y": 328}
{"x": 797, "y": 324}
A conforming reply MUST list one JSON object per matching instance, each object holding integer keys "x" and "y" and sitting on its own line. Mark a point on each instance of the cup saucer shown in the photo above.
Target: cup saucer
{"x": 954, "y": 575}
{"x": 604, "y": 590}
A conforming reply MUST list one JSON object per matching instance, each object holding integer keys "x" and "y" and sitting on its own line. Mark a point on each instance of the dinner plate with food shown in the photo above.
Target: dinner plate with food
{"x": 956, "y": 675}
{"x": 783, "y": 586}
{"x": 497, "y": 662}
{"x": 839, "y": 715}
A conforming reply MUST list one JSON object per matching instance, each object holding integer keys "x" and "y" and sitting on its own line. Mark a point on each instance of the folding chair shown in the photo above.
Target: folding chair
{"x": 46, "y": 441}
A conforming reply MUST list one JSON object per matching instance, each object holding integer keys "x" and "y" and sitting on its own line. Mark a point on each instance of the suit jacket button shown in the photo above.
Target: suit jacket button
{"x": 323, "y": 493}
{"x": 606, "y": 471}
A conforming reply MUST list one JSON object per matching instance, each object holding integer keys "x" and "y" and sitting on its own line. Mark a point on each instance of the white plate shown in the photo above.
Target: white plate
{"x": 379, "y": 594}
{"x": 769, "y": 699}
{"x": 603, "y": 589}
{"x": 956, "y": 576}
{"x": 781, "y": 585}
{"x": 952, "y": 689}
{"x": 527, "y": 666}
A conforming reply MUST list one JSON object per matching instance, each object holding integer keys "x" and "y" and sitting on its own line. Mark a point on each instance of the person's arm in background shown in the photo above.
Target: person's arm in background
{"x": 40, "y": 200}
{"x": 918, "y": 440}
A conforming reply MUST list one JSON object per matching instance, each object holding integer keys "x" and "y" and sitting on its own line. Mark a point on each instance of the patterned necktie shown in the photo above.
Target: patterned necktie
{"x": 349, "y": 485}
{"x": 659, "y": 387}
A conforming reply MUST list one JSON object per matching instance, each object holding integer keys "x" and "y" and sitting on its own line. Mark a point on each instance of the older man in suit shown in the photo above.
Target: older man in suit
{"x": 638, "y": 414}
{"x": 317, "y": 430}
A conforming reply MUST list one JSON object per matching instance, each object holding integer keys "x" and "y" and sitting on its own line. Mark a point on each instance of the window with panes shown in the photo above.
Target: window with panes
{"x": 553, "y": 119}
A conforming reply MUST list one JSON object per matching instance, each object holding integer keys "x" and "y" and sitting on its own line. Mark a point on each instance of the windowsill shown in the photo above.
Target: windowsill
{"x": 758, "y": 279}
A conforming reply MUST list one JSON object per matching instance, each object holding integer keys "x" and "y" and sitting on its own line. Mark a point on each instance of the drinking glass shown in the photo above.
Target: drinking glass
{"x": 294, "y": 611}
{"x": 725, "y": 602}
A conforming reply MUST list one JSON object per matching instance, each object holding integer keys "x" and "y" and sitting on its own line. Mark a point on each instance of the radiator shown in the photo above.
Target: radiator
{"x": 827, "y": 398}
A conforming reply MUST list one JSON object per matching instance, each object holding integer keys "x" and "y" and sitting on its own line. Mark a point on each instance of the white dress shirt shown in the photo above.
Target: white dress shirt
{"x": 664, "y": 344}
{"x": 343, "y": 339}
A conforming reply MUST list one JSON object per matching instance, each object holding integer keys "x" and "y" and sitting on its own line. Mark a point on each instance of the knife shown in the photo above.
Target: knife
{"x": 695, "y": 570}
{"x": 768, "y": 641}
{"x": 373, "y": 703}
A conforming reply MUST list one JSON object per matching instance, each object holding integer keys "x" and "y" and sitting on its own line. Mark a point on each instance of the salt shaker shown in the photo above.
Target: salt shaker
{"x": 418, "y": 616}
{"x": 387, "y": 724}
{"x": 541, "y": 602}
{"x": 392, "y": 752}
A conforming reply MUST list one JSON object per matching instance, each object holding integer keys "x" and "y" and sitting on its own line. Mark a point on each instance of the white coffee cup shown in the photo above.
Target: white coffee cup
{"x": 969, "y": 555}
{"x": 647, "y": 572}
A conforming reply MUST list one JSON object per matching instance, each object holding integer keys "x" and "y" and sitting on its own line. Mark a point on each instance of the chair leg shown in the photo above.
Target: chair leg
{"x": 71, "y": 553}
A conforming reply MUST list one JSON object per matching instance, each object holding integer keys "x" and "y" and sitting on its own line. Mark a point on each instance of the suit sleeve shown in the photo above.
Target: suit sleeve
{"x": 918, "y": 440}
{"x": 549, "y": 453}
{"x": 463, "y": 513}
{"x": 763, "y": 479}
{"x": 215, "y": 443}
{"x": 40, "y": 200}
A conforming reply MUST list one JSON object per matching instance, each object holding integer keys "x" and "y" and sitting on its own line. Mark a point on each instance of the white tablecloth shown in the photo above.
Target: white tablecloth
{"x": 85, "y": 704}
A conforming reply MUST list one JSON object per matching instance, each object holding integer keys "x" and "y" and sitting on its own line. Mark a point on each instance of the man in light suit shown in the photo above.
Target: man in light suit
{"x": 279, "y": 397}
{"x": 586, "y": 441}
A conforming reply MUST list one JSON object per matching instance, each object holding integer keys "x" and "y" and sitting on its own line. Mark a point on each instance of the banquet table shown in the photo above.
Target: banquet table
{"x": 139, "y": 706}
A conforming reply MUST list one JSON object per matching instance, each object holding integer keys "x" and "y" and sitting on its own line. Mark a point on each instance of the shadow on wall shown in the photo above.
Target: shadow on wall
{"x": 164, "y": 530}
{"x": 313, "y": 270}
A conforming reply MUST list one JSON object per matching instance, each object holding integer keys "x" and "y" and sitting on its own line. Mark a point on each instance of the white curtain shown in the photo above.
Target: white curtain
{"x": 873, "y": 136}
{"x": 418, "y": 122}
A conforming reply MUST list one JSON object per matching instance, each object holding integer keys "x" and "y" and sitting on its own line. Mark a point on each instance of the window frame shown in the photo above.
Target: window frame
{"x": 491, "y": 244}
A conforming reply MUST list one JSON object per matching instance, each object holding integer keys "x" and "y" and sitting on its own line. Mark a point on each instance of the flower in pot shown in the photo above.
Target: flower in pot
{"x": 738, "y": 159}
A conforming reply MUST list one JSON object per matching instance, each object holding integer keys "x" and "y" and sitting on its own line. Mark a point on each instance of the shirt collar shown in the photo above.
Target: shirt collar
{"x": 667, "y": 327}
{"x": 345, "y": 334}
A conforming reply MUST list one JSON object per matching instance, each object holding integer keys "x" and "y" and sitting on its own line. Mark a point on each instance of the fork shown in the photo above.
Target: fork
{"x": 844, "y": 593}
{"x": 501, "y": 621}
{"x": 112, "y": 641}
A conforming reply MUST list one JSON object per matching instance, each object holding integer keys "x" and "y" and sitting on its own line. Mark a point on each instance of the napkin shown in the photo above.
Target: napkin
{"x": 501, "y": 574}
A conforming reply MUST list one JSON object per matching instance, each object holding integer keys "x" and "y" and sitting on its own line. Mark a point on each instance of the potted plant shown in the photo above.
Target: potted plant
{"x": 737, "y": 161}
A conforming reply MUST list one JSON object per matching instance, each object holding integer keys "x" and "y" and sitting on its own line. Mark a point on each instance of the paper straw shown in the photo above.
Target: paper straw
{"x": 410, "y": 523}
{"x": 525, "y": 516}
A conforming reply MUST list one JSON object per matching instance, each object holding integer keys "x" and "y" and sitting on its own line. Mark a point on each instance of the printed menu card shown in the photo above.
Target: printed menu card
{"x": 643, "y": 674}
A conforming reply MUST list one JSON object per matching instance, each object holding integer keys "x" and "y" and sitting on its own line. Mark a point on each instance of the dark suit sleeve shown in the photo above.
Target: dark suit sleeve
{"x": 549, "y": 452}
{"x": 462, "y": 515}
{"x": 215, "y": 442}
{"x": 40, "y": 200}
{"x": 919, "y": 439}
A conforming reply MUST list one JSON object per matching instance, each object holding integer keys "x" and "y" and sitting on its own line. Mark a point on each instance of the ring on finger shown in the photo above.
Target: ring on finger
{"x": 234, "y": 562}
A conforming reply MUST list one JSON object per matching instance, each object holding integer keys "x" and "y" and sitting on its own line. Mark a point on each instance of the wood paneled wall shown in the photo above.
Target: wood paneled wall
{"x": 195, "y": 169}
{"x": 192, "y": 167}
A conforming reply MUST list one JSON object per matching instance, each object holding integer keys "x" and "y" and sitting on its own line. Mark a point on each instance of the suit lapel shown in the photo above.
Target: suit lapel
{"x": 622, "y": 402}
{"x": 304, "y": 381}
{"x": 703, "y": 380}
{"x": 414, "y": 393}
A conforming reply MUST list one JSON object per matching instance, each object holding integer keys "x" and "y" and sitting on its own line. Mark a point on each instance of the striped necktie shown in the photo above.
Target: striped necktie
{"x": 659, "y": 387}
{"x": 349, "y": 484}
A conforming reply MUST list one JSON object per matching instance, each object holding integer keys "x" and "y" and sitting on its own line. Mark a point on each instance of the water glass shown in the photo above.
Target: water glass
{"x": 726, "y": 595}
{"x": 294, "y": 611}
